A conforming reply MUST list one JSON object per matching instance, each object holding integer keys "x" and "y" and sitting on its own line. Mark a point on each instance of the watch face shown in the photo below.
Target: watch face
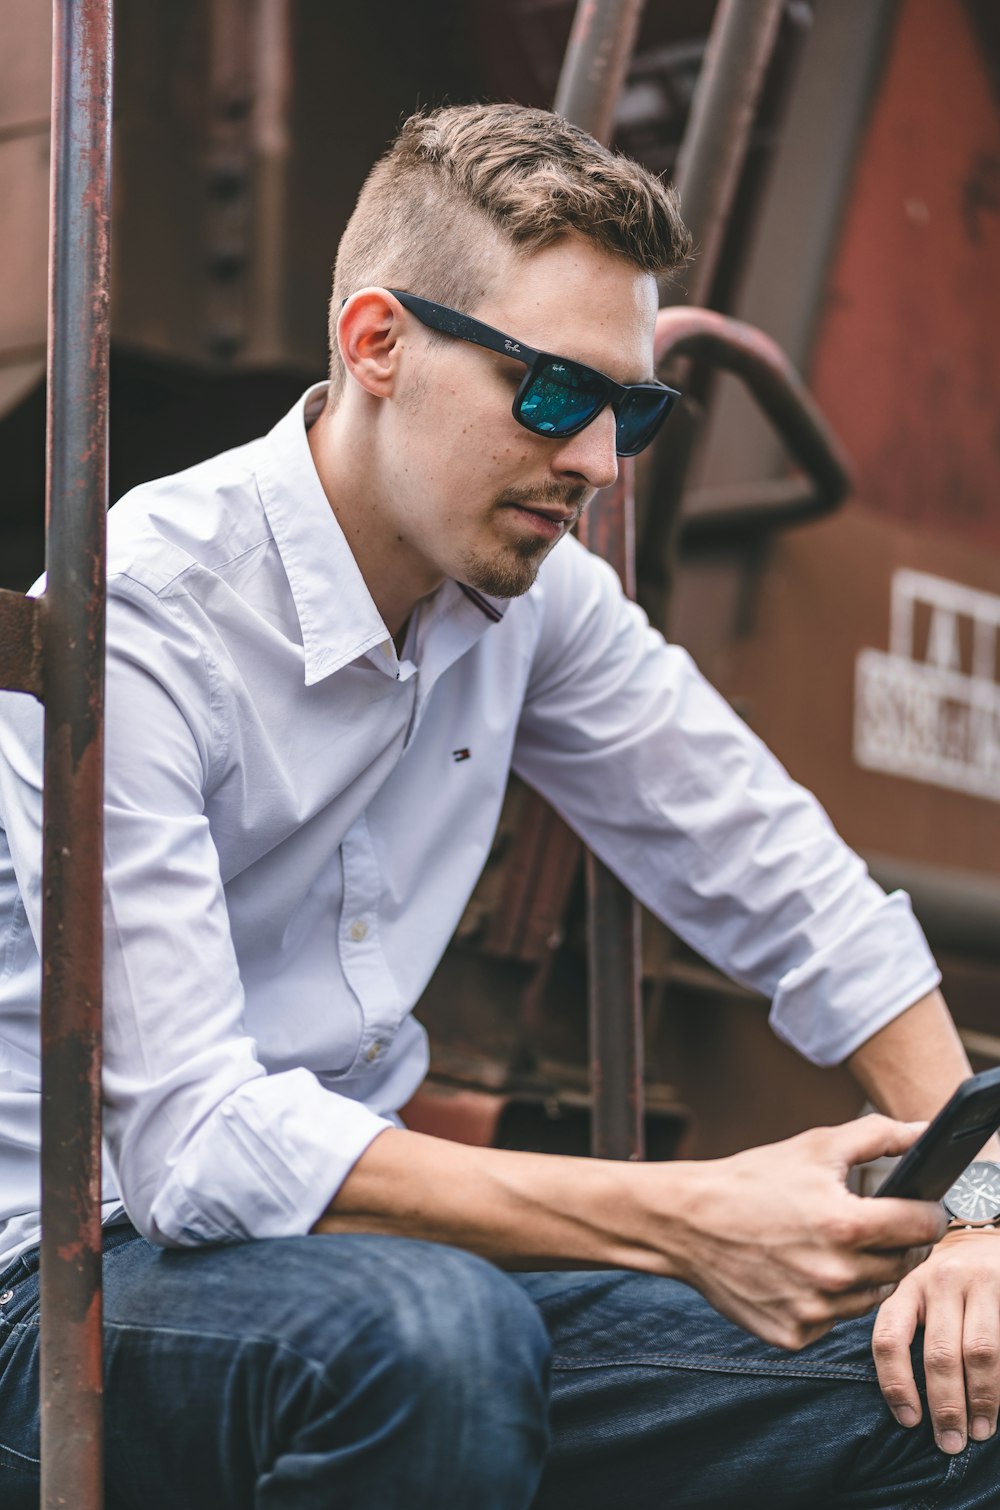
{"x": 975, "y": 1195}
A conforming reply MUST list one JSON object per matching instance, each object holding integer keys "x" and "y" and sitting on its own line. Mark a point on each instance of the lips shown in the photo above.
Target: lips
{"x": 554, "y": 516}
{"x": 542, "y": 521}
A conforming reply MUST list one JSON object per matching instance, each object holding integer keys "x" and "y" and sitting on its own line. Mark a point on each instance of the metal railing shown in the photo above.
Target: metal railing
{"x": 52, "y": 647}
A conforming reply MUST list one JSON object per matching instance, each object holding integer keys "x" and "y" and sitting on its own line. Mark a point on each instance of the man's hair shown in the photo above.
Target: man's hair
{"x": 462, "y": 182}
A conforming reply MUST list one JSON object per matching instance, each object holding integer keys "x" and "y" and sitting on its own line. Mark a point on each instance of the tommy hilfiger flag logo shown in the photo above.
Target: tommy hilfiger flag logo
{"x": 458, "y": 755}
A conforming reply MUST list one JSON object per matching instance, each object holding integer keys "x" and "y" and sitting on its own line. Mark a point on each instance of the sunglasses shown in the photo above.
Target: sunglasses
{"x": 558, "y": 397}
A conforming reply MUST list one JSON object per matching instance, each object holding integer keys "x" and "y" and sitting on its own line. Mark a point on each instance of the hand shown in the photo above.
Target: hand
{"x": 955, "y": 1296}
{"x": 776, "y": 1242}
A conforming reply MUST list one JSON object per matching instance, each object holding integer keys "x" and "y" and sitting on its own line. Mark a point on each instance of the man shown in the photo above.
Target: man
{"x": 302, "y": 633}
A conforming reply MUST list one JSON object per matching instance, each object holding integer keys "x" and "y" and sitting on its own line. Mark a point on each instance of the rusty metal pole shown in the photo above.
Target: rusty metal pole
{"x": 614, "y": 940}
{"x": 598, "y": 53}
{"x": 73, "y": 631}
{"x": 723, "y": 109}
{"x": 597, "y": 58}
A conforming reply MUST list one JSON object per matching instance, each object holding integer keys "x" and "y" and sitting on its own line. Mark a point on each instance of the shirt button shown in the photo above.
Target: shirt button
{"x": 358, "y": 930}
{"x": 374, "y": 1051}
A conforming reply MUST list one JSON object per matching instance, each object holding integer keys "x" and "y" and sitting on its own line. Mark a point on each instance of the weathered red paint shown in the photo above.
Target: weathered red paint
{"x": 907, "y": 361}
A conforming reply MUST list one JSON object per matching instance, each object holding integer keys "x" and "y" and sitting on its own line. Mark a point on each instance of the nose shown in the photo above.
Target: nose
{"x": 590, "y": 454}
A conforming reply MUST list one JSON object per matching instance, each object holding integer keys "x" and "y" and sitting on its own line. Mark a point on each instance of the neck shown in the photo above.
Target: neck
{"x": 394, "y": 575}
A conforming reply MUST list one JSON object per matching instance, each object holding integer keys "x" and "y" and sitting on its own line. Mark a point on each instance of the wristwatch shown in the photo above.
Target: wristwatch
{"x": 974, "y": 1199}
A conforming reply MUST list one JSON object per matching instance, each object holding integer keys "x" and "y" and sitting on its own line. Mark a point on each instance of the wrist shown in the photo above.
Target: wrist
{"x": 680, "y": 1207}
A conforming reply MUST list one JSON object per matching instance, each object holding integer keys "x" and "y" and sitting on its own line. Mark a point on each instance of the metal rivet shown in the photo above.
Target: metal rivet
{"x": 7, "y": 1295}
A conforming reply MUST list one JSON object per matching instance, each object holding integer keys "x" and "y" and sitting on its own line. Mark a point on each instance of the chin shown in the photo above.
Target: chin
{"x": 506, "y": 575}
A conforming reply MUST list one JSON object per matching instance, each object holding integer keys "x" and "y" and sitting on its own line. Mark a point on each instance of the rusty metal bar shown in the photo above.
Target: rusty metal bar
{"x": 614, "y": 982}
{"x": 614, "y": 957}
{"x": 76, "y": 503}
{"x": 20, "y": 643}
{"x": 739, "y": 49}
{"x": 598, "y": 53}
{"x": 597, "y": 58}
{"x": 783, "y": 397}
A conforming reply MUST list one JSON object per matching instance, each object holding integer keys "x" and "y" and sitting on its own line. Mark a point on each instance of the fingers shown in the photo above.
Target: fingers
{"x": 981, "y": 1351}
{"x": 845, "y": 1272}
{"x": 894, "y": 1330}
{"x": 812, "y": 1314}
{"x": 944, "y": 1367}
{"x": 870, "y": 1137}
{"x": 884, "y": 1270}
{"x": 956, "y": 1299}
{"x": 886, "y": 1222}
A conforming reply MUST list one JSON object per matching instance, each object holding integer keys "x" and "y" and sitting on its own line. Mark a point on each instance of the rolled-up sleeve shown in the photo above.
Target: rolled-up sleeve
{"x": 204, "y": 1144}
{"x": 626, "y": 739}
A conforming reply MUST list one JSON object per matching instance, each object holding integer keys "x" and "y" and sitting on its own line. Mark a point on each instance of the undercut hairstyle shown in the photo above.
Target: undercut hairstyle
{"x": 465, "y": 183}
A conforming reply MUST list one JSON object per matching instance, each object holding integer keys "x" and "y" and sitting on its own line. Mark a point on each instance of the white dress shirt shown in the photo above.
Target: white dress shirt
{"x": 296, "y": 818}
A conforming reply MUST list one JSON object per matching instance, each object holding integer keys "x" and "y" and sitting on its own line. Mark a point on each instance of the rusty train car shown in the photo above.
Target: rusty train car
{"x": 862, "y": 643}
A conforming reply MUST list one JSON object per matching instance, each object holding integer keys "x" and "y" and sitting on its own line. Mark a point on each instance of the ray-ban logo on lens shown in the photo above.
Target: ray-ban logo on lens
{"x": 458, "y": 755}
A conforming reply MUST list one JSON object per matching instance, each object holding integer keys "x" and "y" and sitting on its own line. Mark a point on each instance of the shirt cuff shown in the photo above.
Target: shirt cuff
{"x": 266, "y": 1163}
{"x": 830, "y": 1005}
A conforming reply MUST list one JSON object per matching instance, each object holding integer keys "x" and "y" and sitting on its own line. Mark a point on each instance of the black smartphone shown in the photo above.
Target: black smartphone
{"x": 949, "y": 1144}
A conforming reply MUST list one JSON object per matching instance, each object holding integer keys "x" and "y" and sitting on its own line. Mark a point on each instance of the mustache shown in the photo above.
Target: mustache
{"x": 569, "y": 496}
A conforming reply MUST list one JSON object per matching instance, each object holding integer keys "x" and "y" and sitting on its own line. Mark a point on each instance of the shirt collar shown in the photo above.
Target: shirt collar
{"x": 336, "y": 612}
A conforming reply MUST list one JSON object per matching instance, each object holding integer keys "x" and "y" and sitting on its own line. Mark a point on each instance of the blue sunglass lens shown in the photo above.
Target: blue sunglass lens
{"x": 639, "y": 418}
{"x": 561, "y": 399}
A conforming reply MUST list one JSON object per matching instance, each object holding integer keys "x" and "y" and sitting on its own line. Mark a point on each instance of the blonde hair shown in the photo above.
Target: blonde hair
{"x": 462, "y": 183}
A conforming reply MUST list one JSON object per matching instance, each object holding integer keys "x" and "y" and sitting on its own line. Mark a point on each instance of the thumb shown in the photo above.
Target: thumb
{"x": 874, "y": 1136}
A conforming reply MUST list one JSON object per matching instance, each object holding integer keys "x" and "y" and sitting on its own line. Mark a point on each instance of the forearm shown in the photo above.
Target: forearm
{"x": 771, "y": 1237}
{"x": 522, "y": 1210}
{"x": 912, "y": 1065}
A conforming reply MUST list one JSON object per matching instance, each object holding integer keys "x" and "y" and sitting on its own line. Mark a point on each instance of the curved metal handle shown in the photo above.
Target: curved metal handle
{"x": 784, "y": 398}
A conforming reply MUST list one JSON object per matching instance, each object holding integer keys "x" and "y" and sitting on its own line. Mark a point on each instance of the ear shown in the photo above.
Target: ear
{"x": 368, "y": 331}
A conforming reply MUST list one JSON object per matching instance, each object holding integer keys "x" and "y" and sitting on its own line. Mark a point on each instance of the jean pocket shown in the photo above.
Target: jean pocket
{"x": 19, "y": 1295}
{"x": 19, "y": 1396}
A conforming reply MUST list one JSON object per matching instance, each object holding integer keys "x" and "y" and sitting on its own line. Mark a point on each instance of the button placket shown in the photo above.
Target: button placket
{"x": 361, "y": 957}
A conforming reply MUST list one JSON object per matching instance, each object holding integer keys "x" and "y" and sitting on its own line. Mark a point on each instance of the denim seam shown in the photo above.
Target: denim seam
{"x": 253, "y": 1339}
{"x": 956, "y": 1472}
{"x": 35, "y": 1462}
{"x": 724, "y": 1366}
{"x": 924, "y": 1504}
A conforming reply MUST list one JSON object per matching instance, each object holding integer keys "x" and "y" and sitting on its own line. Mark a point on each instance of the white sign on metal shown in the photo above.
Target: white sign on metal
{"x": 929, "y": 709}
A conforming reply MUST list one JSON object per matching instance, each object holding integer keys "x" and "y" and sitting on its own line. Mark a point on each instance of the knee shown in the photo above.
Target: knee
{"x": 466, "y": 1321}
{"x": 467, "y": 1331}
{"x": 465, "y": 1363}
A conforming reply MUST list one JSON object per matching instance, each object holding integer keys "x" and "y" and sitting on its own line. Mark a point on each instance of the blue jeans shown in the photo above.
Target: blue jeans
{"x": 342, "y": 1372}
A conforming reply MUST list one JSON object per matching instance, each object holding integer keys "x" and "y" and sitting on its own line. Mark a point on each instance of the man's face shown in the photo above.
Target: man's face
{"x": 471, "y": 493}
